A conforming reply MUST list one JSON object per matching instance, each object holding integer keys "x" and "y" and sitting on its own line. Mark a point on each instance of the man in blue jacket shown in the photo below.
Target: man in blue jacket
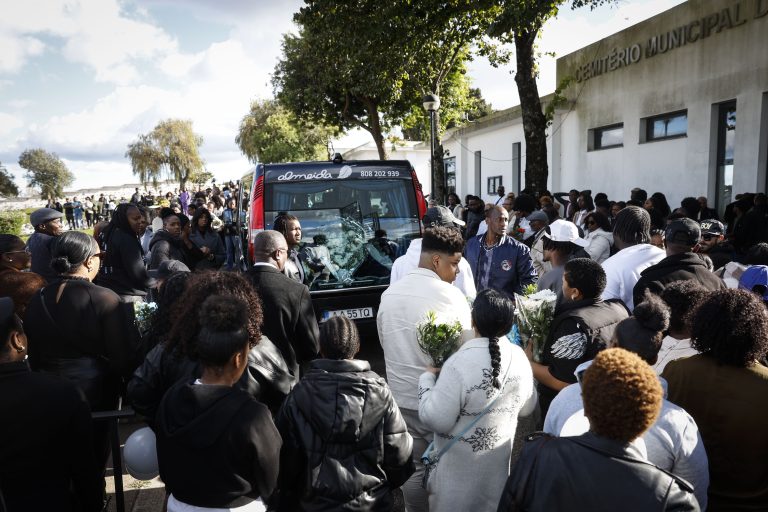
{"x": 497, "y": 260}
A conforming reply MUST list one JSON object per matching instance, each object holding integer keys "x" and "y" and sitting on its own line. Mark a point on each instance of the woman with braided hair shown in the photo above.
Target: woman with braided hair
{"x": 122, "y": 270}
{"x": 473, "y": 409}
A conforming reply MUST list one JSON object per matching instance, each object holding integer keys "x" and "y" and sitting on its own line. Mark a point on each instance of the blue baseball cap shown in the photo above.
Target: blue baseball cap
{"x": 755, "y": 276}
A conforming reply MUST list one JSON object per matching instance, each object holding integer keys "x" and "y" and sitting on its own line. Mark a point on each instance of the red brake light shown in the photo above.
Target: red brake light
{"x": 257, "y": 204}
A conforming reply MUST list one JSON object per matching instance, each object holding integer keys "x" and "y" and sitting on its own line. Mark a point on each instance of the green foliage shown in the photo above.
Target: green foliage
{"x": 438, "y": 340}
{"x": 367, "y": 63}
{"x": 12, "y": 221}
{"x": 47, "y": 171}
{"x": 271, "y": 133}
{"x": 7, "y": 185}
{"x": 201, "y": 177}
{"x": 529, "y": 289}
{"x": 170, "y": 149}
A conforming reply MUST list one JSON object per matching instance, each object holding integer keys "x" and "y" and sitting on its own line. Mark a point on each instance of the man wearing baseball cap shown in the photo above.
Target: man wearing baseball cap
{"x": 681, "y": 263}
{"x": 47, "y": 224}
{"x": 713, "y": 243}
{"x": 435, "y": 216}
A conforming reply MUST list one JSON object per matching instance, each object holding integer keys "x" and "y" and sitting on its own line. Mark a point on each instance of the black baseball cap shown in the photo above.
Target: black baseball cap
{"x": 167, "y": 268}
{"x": 712, "y": 227}
{"x": 440, "y": 216}
{"x": 682, "y": 232}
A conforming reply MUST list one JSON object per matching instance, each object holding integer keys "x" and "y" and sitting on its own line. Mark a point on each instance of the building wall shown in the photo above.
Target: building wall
{"x": 730, "y": 63}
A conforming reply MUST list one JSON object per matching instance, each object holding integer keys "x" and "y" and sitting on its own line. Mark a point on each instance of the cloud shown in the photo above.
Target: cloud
{"x": 9, "y": 123}
{"x": 96, "y": 33}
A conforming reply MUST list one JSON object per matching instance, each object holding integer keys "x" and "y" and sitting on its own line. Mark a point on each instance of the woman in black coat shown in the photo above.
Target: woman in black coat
{"x": 80, "y": 331}
{"x": 122, "y": 270}
{"x": 46, "y": 440}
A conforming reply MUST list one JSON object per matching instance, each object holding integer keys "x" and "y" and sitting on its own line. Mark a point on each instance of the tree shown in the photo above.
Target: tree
{"x": 270, "y": 133}
{"x": 520, "y": 22}
{"x": 367, "y": 63}
{"x": 7, "y": 185}
{"x": 170, "y": 149}
{"x": 47, "y": 171}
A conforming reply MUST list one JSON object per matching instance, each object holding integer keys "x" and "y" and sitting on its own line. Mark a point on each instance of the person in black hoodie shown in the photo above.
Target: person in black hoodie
{"x": 216, "y": 445}
{"x": 123, "y": 269}
{"x": 345, "y": 444}
{"x": 681, "y": 263}
{"x": 173, "y": 243}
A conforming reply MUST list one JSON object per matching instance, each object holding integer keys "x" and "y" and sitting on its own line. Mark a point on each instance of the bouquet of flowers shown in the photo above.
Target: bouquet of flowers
{"x": 534, "y": 312}
{"x": 517, "y": 233}
{"x": 142, "y": 312}
{"x": 438, "y": 340}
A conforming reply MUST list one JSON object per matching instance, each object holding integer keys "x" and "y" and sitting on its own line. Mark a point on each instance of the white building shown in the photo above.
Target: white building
{"x": 676, "y": 104}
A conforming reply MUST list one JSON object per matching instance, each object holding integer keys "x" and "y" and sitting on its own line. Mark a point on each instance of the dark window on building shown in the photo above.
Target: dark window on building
{"x": 494, "y": 182}
{"x": 606, "y": 137}
{"x": 666, "y": 126}
{"x": 450, "y": 173}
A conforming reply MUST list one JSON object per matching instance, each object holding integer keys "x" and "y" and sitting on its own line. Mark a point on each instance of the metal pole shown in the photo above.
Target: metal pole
{"x": 432, "y": 153}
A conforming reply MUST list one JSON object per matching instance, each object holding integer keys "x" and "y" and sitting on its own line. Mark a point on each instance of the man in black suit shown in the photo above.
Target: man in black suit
{"x": 289, "y": 320}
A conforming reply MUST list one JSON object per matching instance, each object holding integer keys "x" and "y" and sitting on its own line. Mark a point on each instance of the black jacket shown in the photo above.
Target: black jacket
{"x": 216, "y": 446}
{"x": 46, "y": 445}
{"x": 754, "y": 226}
{"x": 164, "y": 246}
{"x": 86, "y": 336}
{"x": 579, "y": 330}
{"x": 590, "y": 473}
{"x": 267, "y": 377}
{"x": 123, "y": 269}
{"x": 345, "y": 444}
{"x": 678, "y": 267}
{"x": 289, "y": 320}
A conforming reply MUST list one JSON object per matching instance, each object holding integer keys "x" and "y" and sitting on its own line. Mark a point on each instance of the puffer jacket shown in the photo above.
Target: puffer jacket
{"x": 345, "y": 444}
{"x": 571, "y": 466}
{"x": 600, "y": 242}
{"x": 677, "y": 267}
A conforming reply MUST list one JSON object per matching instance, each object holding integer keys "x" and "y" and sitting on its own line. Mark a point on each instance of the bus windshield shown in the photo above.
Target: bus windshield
{"x": 352, "y": 230}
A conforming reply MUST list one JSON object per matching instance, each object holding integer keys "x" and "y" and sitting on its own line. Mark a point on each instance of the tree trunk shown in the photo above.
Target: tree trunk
{"x": 439, "y": 171}
{"x": 375, "y": 128}
{"x": 534, "y": 120}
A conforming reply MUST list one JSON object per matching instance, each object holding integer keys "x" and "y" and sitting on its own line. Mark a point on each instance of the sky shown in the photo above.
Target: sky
{"x": 83, "y": 78}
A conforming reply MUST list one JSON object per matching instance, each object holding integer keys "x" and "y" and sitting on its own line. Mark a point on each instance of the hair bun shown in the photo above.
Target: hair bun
{"x": 653, "y": 313}
{"x": 223, "y": 314}
{"x": 61, "y": 264}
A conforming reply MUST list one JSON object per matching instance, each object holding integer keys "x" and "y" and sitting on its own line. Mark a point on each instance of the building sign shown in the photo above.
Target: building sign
{"x": 736, "y": 15}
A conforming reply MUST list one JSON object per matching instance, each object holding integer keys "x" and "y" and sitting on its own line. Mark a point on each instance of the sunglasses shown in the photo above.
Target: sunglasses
{"x": 26, "y": 250}
{"x": 709, "y": 237}
{"x": 99, "y": 255}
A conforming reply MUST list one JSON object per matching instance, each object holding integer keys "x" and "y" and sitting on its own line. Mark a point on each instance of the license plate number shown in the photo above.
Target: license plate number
{"x": 352, "y": 314}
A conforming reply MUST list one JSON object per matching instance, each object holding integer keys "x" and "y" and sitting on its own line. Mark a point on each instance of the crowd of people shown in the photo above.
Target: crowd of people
{"x": 647, "y": 393}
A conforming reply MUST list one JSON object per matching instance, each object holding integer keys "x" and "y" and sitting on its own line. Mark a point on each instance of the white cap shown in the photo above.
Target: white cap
{"x": 565, "y": 231}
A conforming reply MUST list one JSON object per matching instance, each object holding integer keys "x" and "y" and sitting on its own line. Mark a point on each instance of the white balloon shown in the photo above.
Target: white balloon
{"x": 140, "y": 454}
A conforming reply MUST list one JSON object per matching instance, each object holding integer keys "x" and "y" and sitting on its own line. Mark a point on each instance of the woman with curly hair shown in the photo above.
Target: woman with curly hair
{"x": 488, "y": 378}
{"x": 622, "y": 399}
{"x": 175, "y": 358}
{"x": 217, "y": 447}
{"x": 724, "y": 388}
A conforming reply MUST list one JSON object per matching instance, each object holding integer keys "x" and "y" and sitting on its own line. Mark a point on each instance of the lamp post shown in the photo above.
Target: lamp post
{"x": 431, "y": 103}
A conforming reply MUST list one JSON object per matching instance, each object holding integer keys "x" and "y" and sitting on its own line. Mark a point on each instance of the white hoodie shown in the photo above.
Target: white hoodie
{"x": 410, "y": 260}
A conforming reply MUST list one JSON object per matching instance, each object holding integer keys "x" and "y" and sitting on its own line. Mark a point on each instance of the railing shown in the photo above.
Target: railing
{"x": 114, "y": 445}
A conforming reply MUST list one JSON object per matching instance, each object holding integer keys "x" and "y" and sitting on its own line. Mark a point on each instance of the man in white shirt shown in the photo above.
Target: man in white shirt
{"x": 404, "y": 305}
{"x": 435, "y": 216}
{"x": 631, "y": 235}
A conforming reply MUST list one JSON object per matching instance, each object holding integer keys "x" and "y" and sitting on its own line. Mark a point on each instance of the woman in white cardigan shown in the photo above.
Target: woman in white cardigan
{"x": 598, "y": 236}
{"x": 487, "y": 370}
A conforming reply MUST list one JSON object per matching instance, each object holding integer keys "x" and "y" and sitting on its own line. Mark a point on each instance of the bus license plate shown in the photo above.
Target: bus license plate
{"x": 352, "y": 314}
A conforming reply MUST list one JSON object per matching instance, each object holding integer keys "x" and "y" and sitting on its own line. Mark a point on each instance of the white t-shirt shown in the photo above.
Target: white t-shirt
{"x": 622, "y": 271}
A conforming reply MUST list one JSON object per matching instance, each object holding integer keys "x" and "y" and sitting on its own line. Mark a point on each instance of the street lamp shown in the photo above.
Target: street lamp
{"x": 431, "y": 103}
